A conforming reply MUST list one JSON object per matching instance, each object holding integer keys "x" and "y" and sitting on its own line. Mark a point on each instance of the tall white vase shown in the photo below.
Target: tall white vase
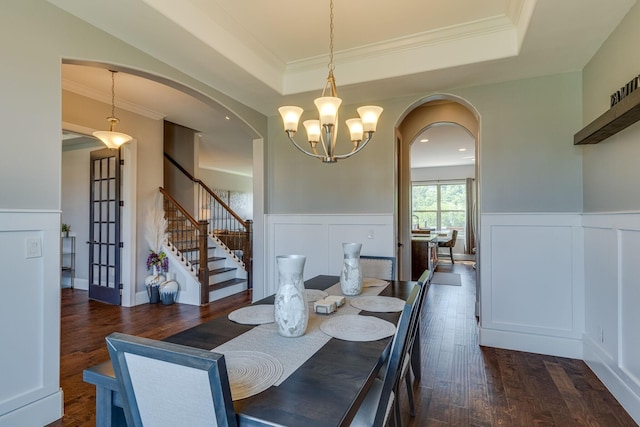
{"x": 290, "y": 306}
{"x": 351, "y": 275}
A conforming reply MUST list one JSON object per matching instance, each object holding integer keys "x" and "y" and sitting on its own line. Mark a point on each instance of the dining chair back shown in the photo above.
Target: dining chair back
{"x": 451, "y": 243}
{"x": 379, "y": 403}
{"x": 378, "y": 267}
{"x": 166, "y": 384}
{"x": 407, "y": 365}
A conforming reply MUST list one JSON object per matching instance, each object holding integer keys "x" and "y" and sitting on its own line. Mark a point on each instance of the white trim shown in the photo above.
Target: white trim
{"x": 260, "y": 237}
{"x": 532, "y": 343}
{"x": 129, "y": 224}
{"x": 615, "y": 380}
{"x": 39, "y": 413}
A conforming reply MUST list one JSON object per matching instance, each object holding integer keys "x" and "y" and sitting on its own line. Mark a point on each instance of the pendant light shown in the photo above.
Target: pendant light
{"x": 110, "y": 138}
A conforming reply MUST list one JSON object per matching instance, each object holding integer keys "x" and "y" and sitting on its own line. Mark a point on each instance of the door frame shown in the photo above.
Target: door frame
{"x": 128, "y": 223}
{"x": 403, "y": 177}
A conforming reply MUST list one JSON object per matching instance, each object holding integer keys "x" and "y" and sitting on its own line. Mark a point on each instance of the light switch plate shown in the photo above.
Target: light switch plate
{"x": 34, "y": 247}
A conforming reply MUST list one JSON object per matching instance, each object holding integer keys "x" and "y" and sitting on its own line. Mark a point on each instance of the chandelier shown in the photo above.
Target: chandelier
{"x": 110, "y": 138}
{"x": 325, "y": 130}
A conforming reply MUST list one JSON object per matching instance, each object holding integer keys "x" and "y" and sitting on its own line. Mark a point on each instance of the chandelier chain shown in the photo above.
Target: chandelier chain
{"x": 331, "y": 66}
{"x": 113, "y": 94}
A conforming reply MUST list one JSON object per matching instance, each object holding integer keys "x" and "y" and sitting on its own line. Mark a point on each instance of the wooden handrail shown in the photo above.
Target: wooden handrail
{"x": 204, "y": 186}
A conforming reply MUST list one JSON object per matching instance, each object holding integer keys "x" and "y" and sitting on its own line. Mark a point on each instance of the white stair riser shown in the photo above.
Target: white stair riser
{"x": 222, "y": 277}
{"x": 228, "y": 291}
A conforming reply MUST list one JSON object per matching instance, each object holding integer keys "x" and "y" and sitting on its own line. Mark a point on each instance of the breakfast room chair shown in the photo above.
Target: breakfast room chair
{"x": 380, "y": 407}
{"x": 378, "y": 267}
{"x": 450, "y": 244}
{"x": 165, "y": 384}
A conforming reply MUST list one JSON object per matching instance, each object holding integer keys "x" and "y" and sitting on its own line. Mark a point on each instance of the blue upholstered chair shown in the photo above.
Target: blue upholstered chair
{"x": 380, "y": 407}
{"x": 165, "y": 384}
{"x": 378, "y": 267}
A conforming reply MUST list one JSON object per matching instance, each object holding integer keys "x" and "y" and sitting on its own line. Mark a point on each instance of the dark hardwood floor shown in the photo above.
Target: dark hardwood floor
{"x": 462, "y": 384}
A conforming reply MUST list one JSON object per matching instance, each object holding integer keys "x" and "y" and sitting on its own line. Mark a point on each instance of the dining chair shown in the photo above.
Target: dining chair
{"x": 166, "y": 384}
{"x": 405, "y": 372}
{"x": 378, "y": 267}
{"x": 450, "y": 244}
{"x": 379, "y": 407}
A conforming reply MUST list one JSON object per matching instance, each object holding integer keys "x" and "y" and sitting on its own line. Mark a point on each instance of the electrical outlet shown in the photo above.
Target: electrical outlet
{"x": 34, "y": 247}
{"x": 371, "y": 235}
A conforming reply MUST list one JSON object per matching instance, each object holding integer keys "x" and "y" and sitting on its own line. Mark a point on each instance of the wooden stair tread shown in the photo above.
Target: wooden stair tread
{"x": 221, "y": 270}
{"x": 210, "y": 259}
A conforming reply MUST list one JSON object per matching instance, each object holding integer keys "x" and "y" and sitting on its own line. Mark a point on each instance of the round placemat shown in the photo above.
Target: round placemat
{"x": 253, "y": 314}
{"x": 251, "y": 372}
{"x": 370, "y": 282}
{"x": 377, "y": 303}
{"x": 314, "y": 295}
{"x": 352, "y": 327}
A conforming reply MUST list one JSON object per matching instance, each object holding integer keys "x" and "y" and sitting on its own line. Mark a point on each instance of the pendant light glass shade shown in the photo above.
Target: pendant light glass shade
{"x": 110, "y": 138}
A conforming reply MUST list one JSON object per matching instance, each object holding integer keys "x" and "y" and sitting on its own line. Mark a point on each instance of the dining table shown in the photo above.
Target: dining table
{"x": 325, "y": 390}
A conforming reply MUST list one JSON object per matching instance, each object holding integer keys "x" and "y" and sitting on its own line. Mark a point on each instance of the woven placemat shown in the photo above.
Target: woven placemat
{"x": 251, "y": 372}
{"x": 353, "y": 327}
{"x": 370, "y": 282}
{"x": 253, "y": 314}
{"x": 377, "y": 304}
{"x": 314, "y": 295}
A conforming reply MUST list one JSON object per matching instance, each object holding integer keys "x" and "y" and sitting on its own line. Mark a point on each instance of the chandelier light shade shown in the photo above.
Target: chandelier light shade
{"x": 324, "y": 130}
{"x": 111, "y": 138}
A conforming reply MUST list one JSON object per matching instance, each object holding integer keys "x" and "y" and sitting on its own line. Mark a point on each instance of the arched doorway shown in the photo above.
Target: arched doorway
{"x": 432, "y": 111}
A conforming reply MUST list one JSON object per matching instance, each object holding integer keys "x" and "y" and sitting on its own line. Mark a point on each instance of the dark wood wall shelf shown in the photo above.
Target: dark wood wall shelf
{"x": 620, "y": 116}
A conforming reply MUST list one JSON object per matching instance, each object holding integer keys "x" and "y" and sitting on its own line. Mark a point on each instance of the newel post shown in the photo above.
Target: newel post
{"x": 248, "y": 254}
{"x": 203, "y": 264}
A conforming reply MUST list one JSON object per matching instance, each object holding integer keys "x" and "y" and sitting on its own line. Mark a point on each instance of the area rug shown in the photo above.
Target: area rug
{"x": 452, "y": 279}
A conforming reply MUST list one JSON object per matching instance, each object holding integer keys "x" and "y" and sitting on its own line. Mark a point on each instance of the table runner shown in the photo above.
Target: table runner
{"x": 292, "y": 352}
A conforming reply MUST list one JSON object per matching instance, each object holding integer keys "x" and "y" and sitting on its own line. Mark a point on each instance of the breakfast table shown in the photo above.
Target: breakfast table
{"x": 319, "y": 379}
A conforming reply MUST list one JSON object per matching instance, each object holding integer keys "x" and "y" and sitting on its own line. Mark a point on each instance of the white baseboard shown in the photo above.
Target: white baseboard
{"x": 38, "y": 413}
{"x": 519, "y": 341}
{"x": 621, "y": 386}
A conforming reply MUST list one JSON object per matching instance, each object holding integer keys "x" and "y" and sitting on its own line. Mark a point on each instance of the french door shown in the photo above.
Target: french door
{"x": 104, "y": 226}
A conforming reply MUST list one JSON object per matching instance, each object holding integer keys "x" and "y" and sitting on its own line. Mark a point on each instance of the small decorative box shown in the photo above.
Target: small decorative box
{"x": 338, "y": 299}
{"x": 324, "y": 307}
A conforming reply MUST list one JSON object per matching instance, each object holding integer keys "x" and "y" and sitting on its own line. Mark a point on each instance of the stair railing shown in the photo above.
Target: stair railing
{"x": 188, "y": 237}
{"x": 224, "y": 224}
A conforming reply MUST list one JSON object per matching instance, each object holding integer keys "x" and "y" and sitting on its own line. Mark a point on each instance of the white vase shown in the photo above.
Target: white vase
{"x": 152, "y": 283}
{"x": 169, "y": 290}
{"x": 290, "y": 306}
{"x": 351, "y": 275}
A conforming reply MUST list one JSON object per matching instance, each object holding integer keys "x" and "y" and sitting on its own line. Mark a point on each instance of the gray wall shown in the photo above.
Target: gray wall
{"x": 527, "y": 159}
{"x": 611, "y": 172}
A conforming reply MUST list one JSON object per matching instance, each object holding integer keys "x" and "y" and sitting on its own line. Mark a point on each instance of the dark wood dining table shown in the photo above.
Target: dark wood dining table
{"x": 326, "y": 390}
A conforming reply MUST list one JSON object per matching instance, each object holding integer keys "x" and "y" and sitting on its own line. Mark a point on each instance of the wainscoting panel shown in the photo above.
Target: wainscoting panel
{"x": 531, "y": 283}
{"x": 320, "y": 238}
{"x": 30, "y": 318}
{"x": 612, "y": 286}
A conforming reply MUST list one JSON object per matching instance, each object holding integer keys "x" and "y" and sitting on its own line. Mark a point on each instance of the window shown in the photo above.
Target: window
{"x": 439, "y": 205}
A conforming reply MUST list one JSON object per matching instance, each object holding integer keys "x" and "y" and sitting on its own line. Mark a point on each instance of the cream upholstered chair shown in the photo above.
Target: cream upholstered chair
{"x": 379, "y": 407}
{"x": 450, "y": 244}
{"x": 165, "y": 384}
{"x": 378, "y": 267}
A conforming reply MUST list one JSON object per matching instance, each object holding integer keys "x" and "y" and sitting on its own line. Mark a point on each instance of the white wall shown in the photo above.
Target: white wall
{"x": 532, "y": 296}
{"x": 443, "y": 173}
{"x": 320, "y": 238}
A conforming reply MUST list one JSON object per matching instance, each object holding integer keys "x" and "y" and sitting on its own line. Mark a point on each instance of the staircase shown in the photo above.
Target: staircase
{"x": 227, "y": 251}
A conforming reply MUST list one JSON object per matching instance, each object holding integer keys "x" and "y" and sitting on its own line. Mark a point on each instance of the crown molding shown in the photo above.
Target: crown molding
{"x": 106, "y": 98}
